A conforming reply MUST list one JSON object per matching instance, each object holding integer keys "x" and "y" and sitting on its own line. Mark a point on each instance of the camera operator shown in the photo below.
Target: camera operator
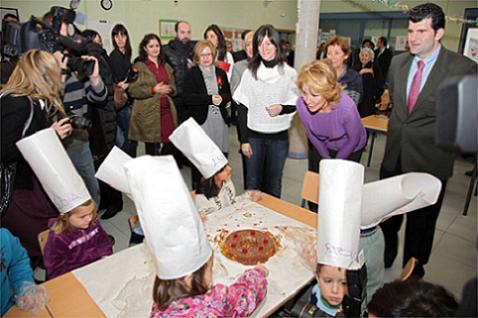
{"x": 8, "y": 63}
{"x": 103, "y": 129}
{"x": 78, "y": 90}
{"x": 29, "y": 101}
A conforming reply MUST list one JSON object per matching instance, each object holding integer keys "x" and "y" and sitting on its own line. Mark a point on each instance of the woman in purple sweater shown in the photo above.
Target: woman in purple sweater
{"x": 329, "y": 115}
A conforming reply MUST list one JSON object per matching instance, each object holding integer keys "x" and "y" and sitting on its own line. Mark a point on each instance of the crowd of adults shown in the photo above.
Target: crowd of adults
{"x": 126, "y": 102}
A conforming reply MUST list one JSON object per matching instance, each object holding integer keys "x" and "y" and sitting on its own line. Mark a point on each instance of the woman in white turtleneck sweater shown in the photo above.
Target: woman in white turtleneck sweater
{"x": 266, "y": 96}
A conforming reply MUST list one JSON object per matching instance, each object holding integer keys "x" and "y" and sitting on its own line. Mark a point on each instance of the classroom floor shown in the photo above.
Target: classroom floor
{"x": 454, "y": 257}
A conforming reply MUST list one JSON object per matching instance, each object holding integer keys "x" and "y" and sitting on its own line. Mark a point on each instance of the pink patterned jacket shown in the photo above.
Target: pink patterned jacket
{"x": 237, "y": 300}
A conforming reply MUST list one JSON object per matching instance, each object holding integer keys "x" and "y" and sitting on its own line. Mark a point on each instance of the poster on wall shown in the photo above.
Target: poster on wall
{"x": 166, "y": 29}
{"x": 401, "y": 43}
{"x": 471, "y": 44}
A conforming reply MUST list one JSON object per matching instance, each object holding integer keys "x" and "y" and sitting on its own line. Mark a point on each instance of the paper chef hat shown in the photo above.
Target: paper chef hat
{"x": 397, "y": 195}
{"x": 46, "y": 156}
{"x": 193, "y": 142}
{"x": 111, "y": 171}
{"x": 170, "y": 221}
{"x": 341, "y": 184}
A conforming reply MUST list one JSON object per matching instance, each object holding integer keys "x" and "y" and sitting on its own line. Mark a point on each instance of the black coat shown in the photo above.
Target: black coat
{"x": 197, "y": 99}
{"x": 177, "y": 55}
{"x": 383, "y": 61}
{"x": 372, "y": 89}
{"x": 103, "y": 116}
{"x": 14, "y": 114}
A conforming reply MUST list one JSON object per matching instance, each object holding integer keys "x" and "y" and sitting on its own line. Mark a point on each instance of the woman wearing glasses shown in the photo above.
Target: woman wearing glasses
{"x": 206, "y": 95}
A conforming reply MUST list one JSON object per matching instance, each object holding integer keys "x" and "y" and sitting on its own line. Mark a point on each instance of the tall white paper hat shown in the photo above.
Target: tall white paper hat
{"x": 47, "y": 157}
{"x": 111, "y": 171}
{"x": 397, "y": 195}
{"x": 341, "y": 184}
{"x": 170, "y": 221}
{"x": 196, "y": 145}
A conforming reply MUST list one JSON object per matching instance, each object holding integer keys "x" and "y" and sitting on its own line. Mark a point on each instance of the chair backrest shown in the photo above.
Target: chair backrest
{"x": 42, "y": 238}
{"x": 310, "y": 188}
{"x": 408, "y": 269}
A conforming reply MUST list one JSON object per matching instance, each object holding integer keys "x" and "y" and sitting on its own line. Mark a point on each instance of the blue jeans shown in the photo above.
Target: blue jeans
{"x": 122, "y": 118}
{"x": 82, "y": 159}
{"x": 264, "y": 168}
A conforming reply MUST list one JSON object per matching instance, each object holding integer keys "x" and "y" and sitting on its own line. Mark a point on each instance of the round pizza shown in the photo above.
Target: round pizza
{"x": 249, "y": 247}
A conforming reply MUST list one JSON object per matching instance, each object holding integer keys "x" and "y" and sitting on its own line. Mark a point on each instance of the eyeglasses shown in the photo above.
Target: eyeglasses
{"x": 205, "y": 55}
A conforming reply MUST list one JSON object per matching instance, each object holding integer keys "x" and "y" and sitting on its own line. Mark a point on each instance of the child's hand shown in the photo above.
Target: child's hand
{"x": 309, "y": 256}
{"x": 262, "y": 268}
{"x": 32, "y": 298}
{"x": 203, "y": 216}
{"x": 254, "y": 195}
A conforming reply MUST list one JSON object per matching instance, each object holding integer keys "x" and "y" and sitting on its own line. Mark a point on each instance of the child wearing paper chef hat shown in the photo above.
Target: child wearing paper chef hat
{"x": 216, "y": 189}
{"x": 76, "y": 238}
{"x": 182, "y": 255}
{"x": 350, "y": 210}
{"x": 339, "y": 216}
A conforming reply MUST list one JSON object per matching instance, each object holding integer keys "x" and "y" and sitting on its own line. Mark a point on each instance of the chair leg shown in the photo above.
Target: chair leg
{"x": 374, "y": 134}
{"x": 472, "y": 186}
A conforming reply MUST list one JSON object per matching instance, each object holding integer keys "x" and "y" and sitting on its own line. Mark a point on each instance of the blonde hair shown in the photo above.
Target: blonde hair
{"x": 62, "y": 223}
{"x": 200, "y": 46}
{"x": 38, "y": 75}
{"x": 248, "y": 38}
{"x": 321, "y": 79}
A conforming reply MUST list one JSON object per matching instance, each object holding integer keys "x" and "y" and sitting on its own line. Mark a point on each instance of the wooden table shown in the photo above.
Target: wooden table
{"x": 375, "y": 124}
{"x": 68, "y": 298}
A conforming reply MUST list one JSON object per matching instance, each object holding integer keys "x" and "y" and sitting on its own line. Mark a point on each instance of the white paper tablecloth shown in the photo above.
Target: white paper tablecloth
{"x": 122, "y": 284}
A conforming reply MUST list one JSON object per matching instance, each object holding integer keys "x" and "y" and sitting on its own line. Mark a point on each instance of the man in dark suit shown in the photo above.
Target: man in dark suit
{"x": 383, "y": 56}
{"x": 413, "y": 81}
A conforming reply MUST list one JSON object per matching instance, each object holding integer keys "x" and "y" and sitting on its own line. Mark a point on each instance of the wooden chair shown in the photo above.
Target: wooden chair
{"x": 42, "y": 238}
{"x": 408, "y": 269}
{"x": 310, "y": 188}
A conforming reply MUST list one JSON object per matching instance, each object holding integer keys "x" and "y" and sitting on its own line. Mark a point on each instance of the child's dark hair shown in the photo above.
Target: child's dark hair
{"x": 208, "y": 187}
{"x": 167, "y": 291}
{"x": 412, "y": 298}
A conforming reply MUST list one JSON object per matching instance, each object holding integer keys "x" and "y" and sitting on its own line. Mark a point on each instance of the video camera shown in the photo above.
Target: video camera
{"x": 45, "y": 35}
{"x": 354, "y": 303}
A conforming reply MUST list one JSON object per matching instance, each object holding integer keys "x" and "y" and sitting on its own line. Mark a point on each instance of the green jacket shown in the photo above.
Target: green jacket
{"x": 145, "y": 123}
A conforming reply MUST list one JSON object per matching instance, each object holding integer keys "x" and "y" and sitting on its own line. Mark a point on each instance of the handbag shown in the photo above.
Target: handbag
{"x": 8, "y": 170}
{"x": 120, "y": 98}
